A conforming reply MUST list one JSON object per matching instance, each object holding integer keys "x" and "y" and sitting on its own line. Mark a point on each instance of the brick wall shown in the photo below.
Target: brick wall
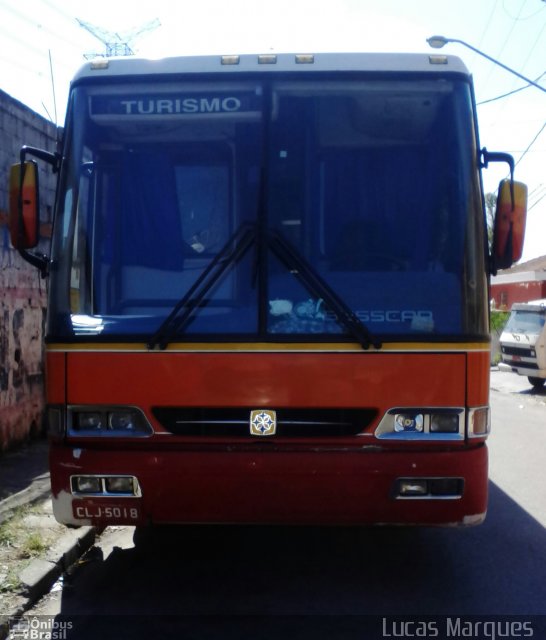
{"x": 22, "y": 290}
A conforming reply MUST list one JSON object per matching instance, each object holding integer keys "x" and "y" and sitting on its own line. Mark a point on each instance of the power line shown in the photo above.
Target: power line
{"x": 533, "y": 47}
{"x": 510, "y": 93}
{"x": 530, "y": 144}
{"x": 536, "y": 202}
{"x": 30, "y": 21}
{"x": 532, "y": 15}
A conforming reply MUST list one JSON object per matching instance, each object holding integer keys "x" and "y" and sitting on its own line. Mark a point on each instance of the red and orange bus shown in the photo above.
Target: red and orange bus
{"x": 268, "y": 291}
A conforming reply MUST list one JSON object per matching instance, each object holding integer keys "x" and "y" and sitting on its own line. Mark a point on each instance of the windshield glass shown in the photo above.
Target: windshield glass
{"x": 368, "y": 187}
{"x": 526, "y": 322}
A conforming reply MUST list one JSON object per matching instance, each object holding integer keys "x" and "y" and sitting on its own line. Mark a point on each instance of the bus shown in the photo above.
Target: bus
{"x": 268, "y": 291}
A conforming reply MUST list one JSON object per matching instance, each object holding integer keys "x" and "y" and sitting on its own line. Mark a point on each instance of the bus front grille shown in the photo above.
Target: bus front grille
{"x": 290, "y": 423}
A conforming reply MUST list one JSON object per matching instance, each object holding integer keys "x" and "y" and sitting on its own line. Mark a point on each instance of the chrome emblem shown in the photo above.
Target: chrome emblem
{"x": 263, "y": 422}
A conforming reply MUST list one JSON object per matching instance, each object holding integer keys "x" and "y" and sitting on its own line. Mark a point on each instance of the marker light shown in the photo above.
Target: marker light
{"x": 99, "y": 63}
{"x": 231, "y": 59}
{"x": 479, "y": 424}
{"x": 437, "y": 59}
{"x": 267, "y": 58}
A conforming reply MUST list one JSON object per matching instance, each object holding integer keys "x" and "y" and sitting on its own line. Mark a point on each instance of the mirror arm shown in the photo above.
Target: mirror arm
{"x": 38, "y": 260}
{"x": 498, "y": 156}
{"x": 54, "y": 159}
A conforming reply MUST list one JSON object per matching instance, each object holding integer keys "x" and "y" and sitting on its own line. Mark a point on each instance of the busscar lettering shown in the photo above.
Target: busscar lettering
{"x": 390, "y": 315}
{"x": 173, "y": 106}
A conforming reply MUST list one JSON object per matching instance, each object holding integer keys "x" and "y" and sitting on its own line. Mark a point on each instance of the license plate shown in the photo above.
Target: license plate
{"x": 84, "y": 510}
{"x": 516, "y": 358}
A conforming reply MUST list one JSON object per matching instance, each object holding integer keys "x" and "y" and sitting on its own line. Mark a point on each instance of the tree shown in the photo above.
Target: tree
{"x": 490, "y": 208}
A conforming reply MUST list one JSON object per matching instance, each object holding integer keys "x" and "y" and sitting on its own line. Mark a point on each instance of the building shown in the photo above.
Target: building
{"x": 22, "y": 290}
{"x": 521, "y": 283}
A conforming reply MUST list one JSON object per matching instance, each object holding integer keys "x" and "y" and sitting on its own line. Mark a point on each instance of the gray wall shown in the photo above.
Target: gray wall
{"x": 22, "y": 290}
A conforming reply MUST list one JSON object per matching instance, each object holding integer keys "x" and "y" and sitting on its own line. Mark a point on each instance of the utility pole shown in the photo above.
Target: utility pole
{"x": 116, "y": 44}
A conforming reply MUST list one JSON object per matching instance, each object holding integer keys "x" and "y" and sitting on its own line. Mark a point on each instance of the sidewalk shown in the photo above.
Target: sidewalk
{"x": 24, "y": 477}
{"x": 34, "y": 549}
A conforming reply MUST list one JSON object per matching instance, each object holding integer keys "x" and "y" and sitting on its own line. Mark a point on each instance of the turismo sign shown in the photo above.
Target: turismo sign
{"x": 174, "y": 104}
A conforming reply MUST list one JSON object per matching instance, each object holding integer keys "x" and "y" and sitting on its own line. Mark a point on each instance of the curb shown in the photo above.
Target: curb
{"x": 40, "y": 489}
{"x": 42, "y": 573}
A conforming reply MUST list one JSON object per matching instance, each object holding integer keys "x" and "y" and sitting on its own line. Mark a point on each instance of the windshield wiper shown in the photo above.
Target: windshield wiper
{"x": 230, "y": 254}
{"x": 295, "y": 262}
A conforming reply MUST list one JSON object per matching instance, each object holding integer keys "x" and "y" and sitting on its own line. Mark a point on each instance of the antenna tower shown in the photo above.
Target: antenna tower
{"x": 117, "y": 44}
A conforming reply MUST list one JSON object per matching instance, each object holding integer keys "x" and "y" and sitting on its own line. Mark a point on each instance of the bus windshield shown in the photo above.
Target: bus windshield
{"x": 224, "y": 203}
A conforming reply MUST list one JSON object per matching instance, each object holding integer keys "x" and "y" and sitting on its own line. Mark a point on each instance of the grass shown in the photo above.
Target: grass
{"x": 11, "y": 582}
{"x": 32, "y": 546}
{"x": 18, "y": 546}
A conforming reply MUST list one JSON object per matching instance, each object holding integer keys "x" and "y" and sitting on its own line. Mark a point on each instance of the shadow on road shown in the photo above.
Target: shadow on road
{"x": 195, "y": 576}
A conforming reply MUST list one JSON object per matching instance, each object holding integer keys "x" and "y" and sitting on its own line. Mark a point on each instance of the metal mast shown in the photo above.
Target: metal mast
{"x": 117, "y": 44}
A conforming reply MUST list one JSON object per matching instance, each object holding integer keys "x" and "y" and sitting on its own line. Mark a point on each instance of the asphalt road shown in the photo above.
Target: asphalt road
{"x": 262, "y": 582}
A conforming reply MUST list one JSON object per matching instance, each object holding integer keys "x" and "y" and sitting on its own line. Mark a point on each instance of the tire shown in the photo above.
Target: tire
{"x": 537, "y": 383}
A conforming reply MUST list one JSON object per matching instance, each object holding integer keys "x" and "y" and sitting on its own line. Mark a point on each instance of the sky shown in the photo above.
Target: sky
{"x": 43, "y": 45}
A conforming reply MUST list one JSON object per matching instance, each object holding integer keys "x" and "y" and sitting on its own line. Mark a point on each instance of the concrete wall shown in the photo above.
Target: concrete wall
{"x": 22, "y": 290}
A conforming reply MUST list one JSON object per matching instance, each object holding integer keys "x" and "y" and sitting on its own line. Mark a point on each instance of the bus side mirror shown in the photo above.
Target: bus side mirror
{"x": 24, "y": 215}
{"x": 509, "y": 228}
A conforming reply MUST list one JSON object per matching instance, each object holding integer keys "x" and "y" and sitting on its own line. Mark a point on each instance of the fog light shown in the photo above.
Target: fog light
{"x": 447, "y": 487}
{"x": 121, "y": 484}
{"x": 408, "y": 422}
{"x": 86, "y": 484}
{"x": 412, "y": 487}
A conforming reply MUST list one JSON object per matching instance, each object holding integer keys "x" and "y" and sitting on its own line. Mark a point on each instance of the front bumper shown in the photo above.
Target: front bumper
{"x": 265, "y": 487}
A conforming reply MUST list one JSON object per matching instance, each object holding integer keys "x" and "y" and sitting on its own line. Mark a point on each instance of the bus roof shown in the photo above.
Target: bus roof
{"x": 271, "y": 62}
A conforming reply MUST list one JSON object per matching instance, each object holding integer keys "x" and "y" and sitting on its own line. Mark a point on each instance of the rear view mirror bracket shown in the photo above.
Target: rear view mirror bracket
{"x": 54, "y": 159}
{"x": 499, "y": 156}
{"x": 510, "y": 216}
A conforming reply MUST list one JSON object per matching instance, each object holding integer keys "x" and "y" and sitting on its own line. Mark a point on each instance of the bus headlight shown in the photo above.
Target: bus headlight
{"x": 89, "y": 421}
{"x": 422, "y": 424}
{"x": 107, "y": 421}
{"x": 444, "y": 423}
{"x": 408, "y": 422}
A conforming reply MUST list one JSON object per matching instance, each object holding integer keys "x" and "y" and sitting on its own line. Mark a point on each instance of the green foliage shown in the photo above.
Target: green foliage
{"x": 498, "y": 321}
